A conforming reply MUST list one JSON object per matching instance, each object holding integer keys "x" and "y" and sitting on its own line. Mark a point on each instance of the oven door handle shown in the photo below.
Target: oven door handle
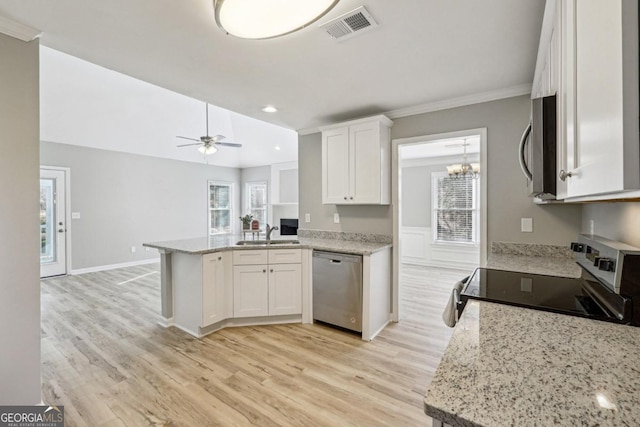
{"x": 456, "y": 303}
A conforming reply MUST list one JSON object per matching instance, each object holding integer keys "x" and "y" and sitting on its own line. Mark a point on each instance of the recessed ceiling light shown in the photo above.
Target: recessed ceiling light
{"x": 277, "y": 148}
{"x": 264, "y": 19}
{"x": 269, "y": 109}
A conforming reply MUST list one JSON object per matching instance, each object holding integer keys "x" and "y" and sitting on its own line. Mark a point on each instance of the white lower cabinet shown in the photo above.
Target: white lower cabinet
{"x": 214, "y": 288}
{"x": 285, "y": 289}
{"x": 268, "y": 289}
{"x": 250, "y": 291}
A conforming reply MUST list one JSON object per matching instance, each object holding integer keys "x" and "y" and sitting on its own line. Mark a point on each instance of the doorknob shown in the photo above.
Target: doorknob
{"x": 60, "y": 230}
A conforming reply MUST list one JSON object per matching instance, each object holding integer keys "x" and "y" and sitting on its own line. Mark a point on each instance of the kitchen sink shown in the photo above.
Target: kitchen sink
{"x": 267, "y": 242}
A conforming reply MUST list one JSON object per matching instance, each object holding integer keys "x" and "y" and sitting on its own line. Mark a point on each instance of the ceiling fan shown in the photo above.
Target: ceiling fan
{"x": 207, "y": 143}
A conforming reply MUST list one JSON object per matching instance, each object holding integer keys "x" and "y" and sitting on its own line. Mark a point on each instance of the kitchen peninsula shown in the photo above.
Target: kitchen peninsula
{"x": 210, "y": 283}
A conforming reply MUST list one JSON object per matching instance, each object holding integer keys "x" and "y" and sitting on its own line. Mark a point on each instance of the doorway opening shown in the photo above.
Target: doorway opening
{"x": 439, "y": 217}
{"x": 54, "y": 235}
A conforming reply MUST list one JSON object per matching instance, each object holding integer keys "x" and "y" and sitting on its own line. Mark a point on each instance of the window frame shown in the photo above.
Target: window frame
{"x": 475, "y": 222}
{"x": 210, "y": 209}
{"x": 247, "y": 199}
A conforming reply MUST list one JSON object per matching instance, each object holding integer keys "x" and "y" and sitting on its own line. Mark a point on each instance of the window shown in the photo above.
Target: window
{"x": 256, "y": 201}
{"x": 220, "y": 207}
{"x": 455, "y": 208}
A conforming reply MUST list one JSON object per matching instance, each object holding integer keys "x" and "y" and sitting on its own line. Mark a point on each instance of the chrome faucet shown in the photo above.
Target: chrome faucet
{"x": 270, "y": 230}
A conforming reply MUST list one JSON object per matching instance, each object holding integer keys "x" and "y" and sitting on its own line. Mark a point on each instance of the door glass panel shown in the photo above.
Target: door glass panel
{"x": 47, "y": 221}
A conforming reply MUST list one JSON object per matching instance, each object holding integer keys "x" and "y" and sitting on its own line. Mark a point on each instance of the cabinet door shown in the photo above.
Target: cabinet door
{"x": 250, "y": 291}
{"x": 285, "y": 289}
{"x": 335, "y": 166}
{"x": 603, "y": 159}
{"x": 214, "y": 292}
{"x": 364, "y": 155}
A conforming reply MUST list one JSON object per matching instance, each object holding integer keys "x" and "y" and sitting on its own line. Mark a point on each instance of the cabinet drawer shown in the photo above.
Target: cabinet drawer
{"x": 250, "y": 257}
{"x": 285, "y": 256}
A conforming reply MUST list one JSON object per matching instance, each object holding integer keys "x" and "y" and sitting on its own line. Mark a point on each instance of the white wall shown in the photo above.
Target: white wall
{"x": 127, "y": 199}
{"x": 19, "y": 218}
{"x": 616, "y": 221}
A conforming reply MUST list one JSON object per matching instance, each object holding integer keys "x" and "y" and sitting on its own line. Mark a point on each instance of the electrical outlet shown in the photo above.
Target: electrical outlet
{"x": 133, "y": 249}
{"x": 307, "y": 217}
{"x": 336, "y": 218}
{"x": 75, "y": 215}
{"x": 526, "y": 225}
{"x": 147, "y": 249}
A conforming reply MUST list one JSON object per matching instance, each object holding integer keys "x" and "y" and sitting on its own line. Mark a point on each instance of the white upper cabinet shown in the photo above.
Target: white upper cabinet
{"x": 356, "y": 164}
{"x": 599, "y": 145}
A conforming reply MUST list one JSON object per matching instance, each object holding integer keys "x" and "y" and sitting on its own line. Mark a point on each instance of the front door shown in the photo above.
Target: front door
{"x": 53, "y": 228}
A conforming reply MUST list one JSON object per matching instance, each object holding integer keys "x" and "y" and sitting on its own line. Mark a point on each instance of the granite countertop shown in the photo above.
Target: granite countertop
{"x": 508, "y": 366}
{"x": 533, "y": 259}
{"x": 203, "y": 245}
{"x": 563, "y": 267}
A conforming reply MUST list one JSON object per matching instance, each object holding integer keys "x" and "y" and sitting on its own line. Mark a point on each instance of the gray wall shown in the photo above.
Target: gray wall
{"x": 363, "y": 219}
{"x": 19, "y": 218}
{"x": 127, "y": 199}
{"x": 416, "y": 195}
{"x": 415, "y": 187}
{"x": 506, "y": 199}
{"x": 616, "y": 221}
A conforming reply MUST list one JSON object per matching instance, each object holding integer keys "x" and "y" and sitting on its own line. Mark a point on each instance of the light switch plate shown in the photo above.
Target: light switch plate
{"x": 336, "y": 218}
{"x": 526, "y": 225}
{"x": 307, "y": 217}
{"x": 75, "y": 215}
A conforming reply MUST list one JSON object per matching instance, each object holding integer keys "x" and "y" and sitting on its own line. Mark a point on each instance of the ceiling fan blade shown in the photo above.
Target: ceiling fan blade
{"x": 188, "y": 145}
{"x": 217, "y": 138}
{"x": 229, "y": 144}
{"x": 191, "y": 139}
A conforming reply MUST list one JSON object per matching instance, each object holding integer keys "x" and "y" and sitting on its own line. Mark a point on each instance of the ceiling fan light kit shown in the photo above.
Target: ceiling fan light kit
{"x": 207, "y": 149}
{"x": 207, "y": 143}
{"x": 265, "y": 19}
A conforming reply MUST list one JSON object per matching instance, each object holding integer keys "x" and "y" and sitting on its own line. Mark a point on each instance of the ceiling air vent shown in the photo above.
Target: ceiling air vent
{"x": 347, "y": 25}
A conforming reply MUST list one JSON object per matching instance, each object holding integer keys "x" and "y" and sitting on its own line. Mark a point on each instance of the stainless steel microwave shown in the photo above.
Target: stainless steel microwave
{"x": 538, "y": 149}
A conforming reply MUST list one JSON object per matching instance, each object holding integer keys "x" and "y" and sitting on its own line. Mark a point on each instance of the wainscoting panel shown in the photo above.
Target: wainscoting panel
{"x": 417, "y": 248}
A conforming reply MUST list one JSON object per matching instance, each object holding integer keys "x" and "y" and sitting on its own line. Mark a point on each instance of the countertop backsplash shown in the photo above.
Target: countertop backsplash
{"x": 342, "y": 235}
{"x": 531, "y": 249}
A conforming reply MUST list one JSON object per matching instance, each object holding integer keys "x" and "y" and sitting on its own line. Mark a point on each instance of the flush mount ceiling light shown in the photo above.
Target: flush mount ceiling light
{"x": 269, "y": 109}
{"x": 264, "y": 19}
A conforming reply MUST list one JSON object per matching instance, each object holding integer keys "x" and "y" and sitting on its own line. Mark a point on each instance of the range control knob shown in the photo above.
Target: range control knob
{"x": 577, "y": 247}
{"x": 596, "y": 261}
{"x": 606, "y": 264}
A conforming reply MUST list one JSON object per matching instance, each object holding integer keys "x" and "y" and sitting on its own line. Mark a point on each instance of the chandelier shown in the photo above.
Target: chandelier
{"x": 465, "y": 168}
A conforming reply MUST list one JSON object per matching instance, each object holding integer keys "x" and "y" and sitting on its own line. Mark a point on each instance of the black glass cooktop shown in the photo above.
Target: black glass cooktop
{"x": 550, "y": 293}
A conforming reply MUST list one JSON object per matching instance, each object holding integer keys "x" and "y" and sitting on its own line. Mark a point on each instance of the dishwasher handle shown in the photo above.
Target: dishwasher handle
{"x": 337, "y": 258}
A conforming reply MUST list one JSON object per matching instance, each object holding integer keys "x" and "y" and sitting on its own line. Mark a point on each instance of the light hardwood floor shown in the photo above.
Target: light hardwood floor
{"x": 107, "y": 361}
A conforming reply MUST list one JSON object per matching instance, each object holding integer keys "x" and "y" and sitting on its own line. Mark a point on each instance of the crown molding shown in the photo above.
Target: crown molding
{"x": 18, "y": 30}
{"x": 477, "y": 98}
{"x": 461, "y": 101}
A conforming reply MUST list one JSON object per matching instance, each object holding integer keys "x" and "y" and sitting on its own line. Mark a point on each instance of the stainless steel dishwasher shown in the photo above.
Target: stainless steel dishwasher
{"x": 337, "y": 289}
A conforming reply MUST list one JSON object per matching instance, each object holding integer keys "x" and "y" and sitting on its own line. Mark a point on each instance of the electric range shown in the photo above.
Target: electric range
{"x": 608, "y": 289}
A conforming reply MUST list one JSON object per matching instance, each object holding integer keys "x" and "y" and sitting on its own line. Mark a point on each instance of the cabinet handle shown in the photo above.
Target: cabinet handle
{"x": 271, "y": 270}
{"x": 351, "y": 198}
{"x": 264, "y": 270}
{"x": 219, "y": 258}
{"x": 564, "y": 175}
{"x": 345, "y": 197}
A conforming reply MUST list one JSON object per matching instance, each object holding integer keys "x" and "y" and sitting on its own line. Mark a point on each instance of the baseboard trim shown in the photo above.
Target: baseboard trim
{"x": 165, "y": 322}
{"x": 114, "y": 266}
